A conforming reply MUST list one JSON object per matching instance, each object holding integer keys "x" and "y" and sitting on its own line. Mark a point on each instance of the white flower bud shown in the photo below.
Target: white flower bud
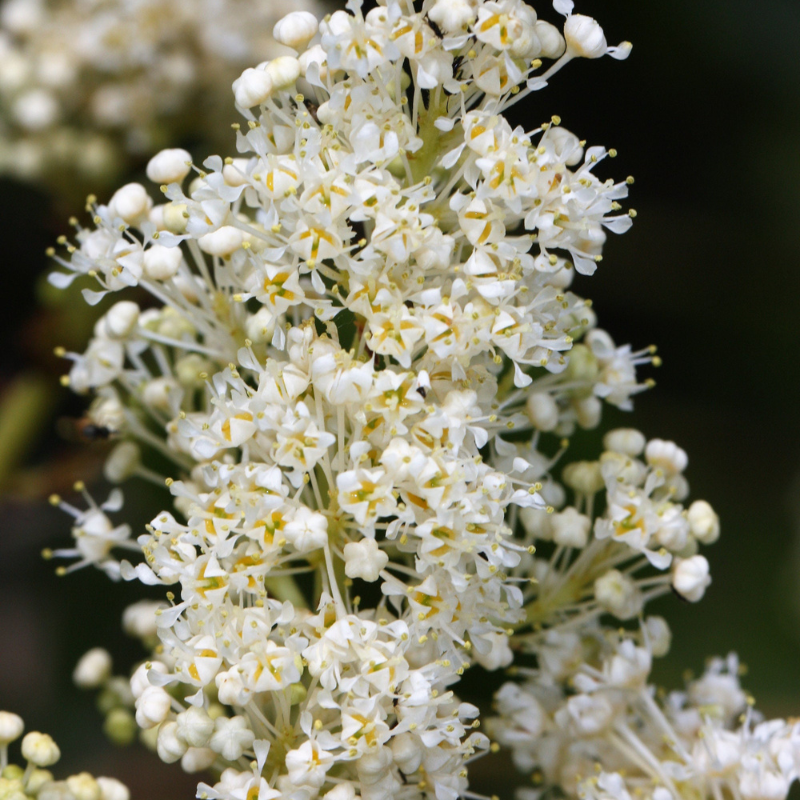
{"x": 307, "y": 530}
{"x": 131, "y": 203}
{"x": 161, "y": 263}
{"x": 11, "y": 727}
{"x": 93, "y": 670}
{"x": 617, "y": 594}
{"x": 553, "y": 44}
{"x": 235, "y": 174}
{"x": 374, "y": 765}
{"x": 260, "y": 327}
{"x": 584, "y": 37}
{"x": 659, "y": 636}
{"x": 35, "y": 109}
{"x": 452, "y": 15}
{"x": 284, "y": 71}
{"x": 120, "y": 320}
{"x": 84, "y": 787}
{"x": 139, "y": 619}
{"x": 230, "y": 689}
{"x": 169, "y": 166}
{"x": 690, "y": 576}
{"x": 195, "y": 726}
{"x": 499, "y": 655}
{"x": 364, "y": 559}
{"x": 570, "y": 529}
{"x": 584, "y": 477}
{"x": 108, "y": 412}
{"x": 407, "y": 751}
{"x": 536, "y": 522}
{"x": 122, "y": 462}
{"x": 112, "y": 789}
{"x": 252, "y": 87}
{"x": 296, "y": 29}
{"x": 169, "y": 746}
{"x": 139, "y": 679}
{"x": 221, "y": 242}
{"x": 627, "y": 441}
{"x": 156, "y": 393}
{"x": 588, "y": 411}
{"x": 543, "y": 411}
{"x": 231, "y": 737}
{"x": 666, "y": 456}
{"x": 314, "y": 55}
{"x": 197, "y": 759}
{"x": 703, "y": 522}
{"x": 175, "y": 217}
{"x": 152, "y": 707}
{"x": 343, "y": 791}
{"x": 40, "y": 749}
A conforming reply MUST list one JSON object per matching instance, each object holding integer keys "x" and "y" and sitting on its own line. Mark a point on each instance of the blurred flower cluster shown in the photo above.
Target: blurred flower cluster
{"x": 353, "y": 355}
{"x": 87, "y": 87}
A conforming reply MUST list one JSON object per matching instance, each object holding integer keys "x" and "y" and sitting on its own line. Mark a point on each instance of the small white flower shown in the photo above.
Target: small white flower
{"x": 231, "y": 737}
{"x": 93, "y": 669}
{"x": 690, "y": 577}
{"x": 40, "y": 749}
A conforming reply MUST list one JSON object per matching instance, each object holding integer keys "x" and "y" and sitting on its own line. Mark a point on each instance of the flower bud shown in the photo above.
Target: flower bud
{"x": 584, "y": 37}
{"x": 584, "y": 477}
{"x": 618, "y": 595}
{"x": 221, "y": 242}
{"x": 11, "y": 727}
{"x": 120, "y": 320}
{"x": 296, "y": 29}
{"x": 197, "y": 759}
{"x": 161, "y": 263}
{"x": 139, "y": 679}
{"x": 452, "y": 15}
{"x": 659, "y": 636}
{"x": 364, "y": 560}
{"x": 703, "y": 522}
{"x": 169, "y": 746}
{"x": 35, "y": 109}
{"x": 343, "y": 791}
{"x": 120, "y": 726}
{"x": 175, "y": 218}
{"x": 553, "y": 44}
{"x": 112, "y": 789}
{"x": 156, "y": 393}
{"x": 690, "y": 577}
{"x": 188, "y": 370}
{"x": 231, "y": 737}
{"x": 666, "y": 456}
{"x": 152, "y": 707}
{"x": 40, "y": 749}
{"x": 627, "y": 441}
{"x": 543, "y": 411}
{"x": 131, "y": 203}
{"x": 169, "y": 166}
{"x": 83, "y": 786}
{"x": 284, "y": 71}
{"x": 588, "y": 411}
{"x": 407, "y": 752}
{"x": 314, "y": 55}
{"x": 122, "y": 462}
{"x": 261, "y": 326}
{"x": 570, "y": 529}
{"x": 252, "y": 87}
{"x": 195, "y": 726}
{"x": 38, "y": 780}
{"x": 93, "y": 669}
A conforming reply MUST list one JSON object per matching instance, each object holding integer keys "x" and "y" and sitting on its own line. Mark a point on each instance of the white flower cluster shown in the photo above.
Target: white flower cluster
{"x": 39, "y": 752}
{"x": 84, "y": 85}
{"x": 358, "y": 334}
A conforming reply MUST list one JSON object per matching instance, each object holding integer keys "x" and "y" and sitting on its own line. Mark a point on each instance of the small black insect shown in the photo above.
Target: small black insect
{"x": 90, "y": 432}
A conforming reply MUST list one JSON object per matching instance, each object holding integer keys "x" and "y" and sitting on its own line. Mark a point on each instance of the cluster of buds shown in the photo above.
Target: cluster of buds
{"x": 87, "y": 87}
{"x": 34, "y": 781}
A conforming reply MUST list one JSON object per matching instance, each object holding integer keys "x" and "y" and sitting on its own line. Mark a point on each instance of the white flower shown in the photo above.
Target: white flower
{"x": 11, "y": 727}
{"x": 152, "y": 707}
{"x": 308, "y": 764}
{"x": 703, "y": 522}
{"x": 169, "y": 166}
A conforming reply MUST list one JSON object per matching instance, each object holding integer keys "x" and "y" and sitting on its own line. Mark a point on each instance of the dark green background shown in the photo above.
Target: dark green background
{"x": 706, "y": 115}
